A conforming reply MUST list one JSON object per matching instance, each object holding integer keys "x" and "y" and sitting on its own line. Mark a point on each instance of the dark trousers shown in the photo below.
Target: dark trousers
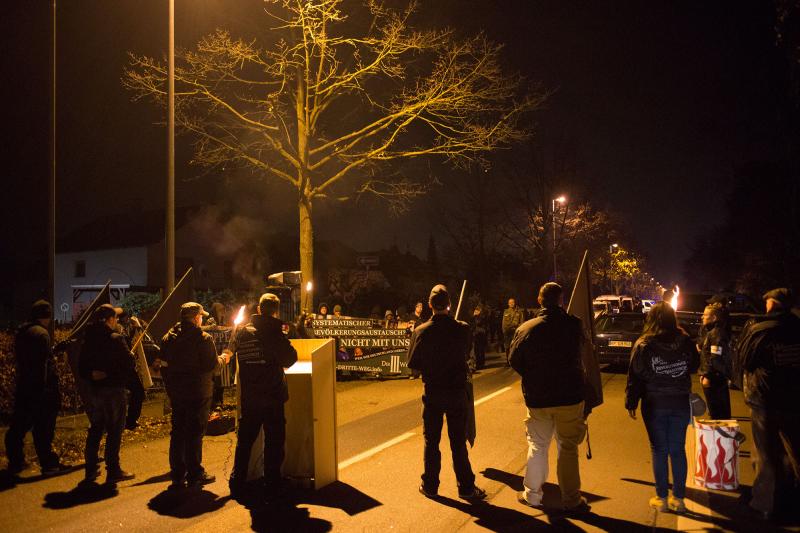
{"x": 37, "y": 414}
{"x": 107, "y": 415}
{"x": 135, "y": 400}
{"x": 718, "y": 399}
{"x": 435, "y": 406}
{"x": 666, "y": 429}
{"x": 508, "y": 336}
{"x": 480, "y": 350}
{"x": 189, "y": 421}
{"x": 776, "y": 435}
{"x": 271, "y": 418}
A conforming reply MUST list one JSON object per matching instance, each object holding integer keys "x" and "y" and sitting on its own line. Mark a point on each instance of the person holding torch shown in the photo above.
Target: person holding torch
{"x": 263, "y": 351}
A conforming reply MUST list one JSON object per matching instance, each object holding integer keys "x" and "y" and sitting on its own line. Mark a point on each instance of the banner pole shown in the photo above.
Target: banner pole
{"x": 460, "y": 298}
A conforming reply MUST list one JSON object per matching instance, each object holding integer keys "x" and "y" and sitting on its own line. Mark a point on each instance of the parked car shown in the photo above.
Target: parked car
{"x": 692, "y": 304}
{"x": 615, "y": 334}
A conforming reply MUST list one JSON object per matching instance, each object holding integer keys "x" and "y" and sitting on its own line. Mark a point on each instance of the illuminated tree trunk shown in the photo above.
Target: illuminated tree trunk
{"x": 306, "y": 251}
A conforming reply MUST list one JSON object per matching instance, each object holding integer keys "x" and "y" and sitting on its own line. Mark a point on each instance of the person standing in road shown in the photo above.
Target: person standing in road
{"x": 191, "y": 359}
{"x": 263, "y": 352}
{"x": 546, "y": 352}
{"x": 37, "y": 399}
{"x": 439, "y": 349}
{"x": 769, "y": 359}
{"x": 512, "y": 318}
{"x": 662, "y": 361}
{"x": 105, "y": 363}
{"x": 715, "y": 361}
{"x": 479, "y": 334}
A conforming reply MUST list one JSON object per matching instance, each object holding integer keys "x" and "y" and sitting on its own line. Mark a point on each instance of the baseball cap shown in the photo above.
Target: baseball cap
{"x": 106, "y": 311}
{"x": 782, "y": 295}
{"x": 191, "y": 310}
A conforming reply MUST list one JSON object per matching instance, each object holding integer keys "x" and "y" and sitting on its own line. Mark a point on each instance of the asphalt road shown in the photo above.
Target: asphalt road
{"x": 380, "y": 457}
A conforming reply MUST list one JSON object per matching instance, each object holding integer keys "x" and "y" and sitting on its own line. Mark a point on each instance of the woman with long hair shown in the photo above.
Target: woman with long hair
{"x": 662, "y": 361}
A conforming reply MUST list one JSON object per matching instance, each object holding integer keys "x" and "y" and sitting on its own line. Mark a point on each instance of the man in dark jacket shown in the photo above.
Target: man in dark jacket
{"x": 715, "y": 361}
{"x": 769, "y": 357}
{"x": 546, "y": 352}
{"x": 439, "y": 350}
{"x": 105, "y": 362}
{"x": 191, "y": 358}
{"x": 263, "y": 352}
{"x": 37, "y": 398}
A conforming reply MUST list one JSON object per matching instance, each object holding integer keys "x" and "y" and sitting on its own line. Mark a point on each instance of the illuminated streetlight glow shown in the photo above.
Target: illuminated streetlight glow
{"x": 309, "y": 286}
{"x": 561, "y": 199}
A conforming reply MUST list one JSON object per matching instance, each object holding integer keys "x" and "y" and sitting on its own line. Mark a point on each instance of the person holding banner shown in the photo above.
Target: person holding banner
{"x": 546, "y": 352}
{"x": 37, "y": 398}
{"x": 105, "y": 362}
{"x": 263, "y": 351}
{"x": 439, "y": 349}
{"x": 191, "y": 358}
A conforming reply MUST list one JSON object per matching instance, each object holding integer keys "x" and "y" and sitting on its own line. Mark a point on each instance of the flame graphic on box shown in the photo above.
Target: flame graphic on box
{"x": 717, "y": 465}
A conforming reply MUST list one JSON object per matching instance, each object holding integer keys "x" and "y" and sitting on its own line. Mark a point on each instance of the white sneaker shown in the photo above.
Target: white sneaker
{"x": 659, "y": 504}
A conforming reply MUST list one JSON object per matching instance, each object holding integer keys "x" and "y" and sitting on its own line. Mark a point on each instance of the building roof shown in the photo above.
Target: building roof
{"x": 122, "y": 230}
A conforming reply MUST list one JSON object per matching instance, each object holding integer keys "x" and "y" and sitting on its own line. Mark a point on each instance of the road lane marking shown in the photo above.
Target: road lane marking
{"x": 372, "y": 451}
{"x": 492, "y": 395}
{"x": 400, "y": 438}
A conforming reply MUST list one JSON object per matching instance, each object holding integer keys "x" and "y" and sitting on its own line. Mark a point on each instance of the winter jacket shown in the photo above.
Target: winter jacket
{"x": 439, "y": 349}
{"x": 36, "y": 373}
{"x": 191, "y": 361}
{"x": 660, "y": 372}
{"x": 769, "y": 357}
{"x": 106, "y": 351}
{"x": 715, "y": 353}
{"x": 546, "y": 352}
{"x": 263, "y": 351}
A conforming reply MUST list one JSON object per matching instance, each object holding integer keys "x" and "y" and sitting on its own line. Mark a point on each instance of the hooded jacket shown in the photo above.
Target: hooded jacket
{"x": 660, "y": 372}
{"x": 546, "y": 352}
{"x": 106, "y": 351}
{"x": 439, "y": 349}
{"x": 769, "y": 357}
{"x": 262, "y": 352}
{"x": 36, "y": 374}
{"x": 191, "y": 360}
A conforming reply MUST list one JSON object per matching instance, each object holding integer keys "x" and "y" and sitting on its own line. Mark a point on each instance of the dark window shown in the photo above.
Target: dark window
{"x": 80, "y": 269}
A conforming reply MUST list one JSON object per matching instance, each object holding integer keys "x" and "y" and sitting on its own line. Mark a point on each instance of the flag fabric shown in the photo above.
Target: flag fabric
{"x": 580, "y": 305}
{"x": 169, "y": 312}
{"x": 166, "y": 316}
{"x": 103, "y": 297}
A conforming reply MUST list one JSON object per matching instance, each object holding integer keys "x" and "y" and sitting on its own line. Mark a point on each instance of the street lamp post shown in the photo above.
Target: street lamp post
{"x": 561, "y": 199}
{"x": 169, "y": 238}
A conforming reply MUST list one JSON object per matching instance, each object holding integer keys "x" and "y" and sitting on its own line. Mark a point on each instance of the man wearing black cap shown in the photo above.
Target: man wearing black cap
{"x": 439, "y": 350}
{"x": 37, "y": 399}
{"x": 191, "y": 358}
{"x": 769, "y": 359}
{"x": 263, "y": 352}
{"x": 546, "y": 352}
{"x": 105, "y": 362}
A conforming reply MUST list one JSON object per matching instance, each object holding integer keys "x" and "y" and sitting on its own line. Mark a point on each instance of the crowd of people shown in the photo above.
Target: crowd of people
{"x": 546, "y": 349}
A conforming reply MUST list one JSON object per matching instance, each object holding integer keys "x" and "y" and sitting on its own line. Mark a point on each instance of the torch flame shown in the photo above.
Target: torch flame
{"x": 239, "y": 316}
{"x": 674, "y": 302}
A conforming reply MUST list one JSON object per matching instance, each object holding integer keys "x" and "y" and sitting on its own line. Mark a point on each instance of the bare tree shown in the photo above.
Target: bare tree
{"x": 325, "y": 106}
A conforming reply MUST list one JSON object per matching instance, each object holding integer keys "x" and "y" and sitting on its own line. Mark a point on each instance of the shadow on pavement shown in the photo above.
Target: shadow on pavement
{"x": 9, "y": 481}
{"x": 161, "y": 478}
{"x": 284, "y": 515}
{"x": 186, "y": 503}
{"x": 82, "y": 494}
{"x": 552, "y": 495}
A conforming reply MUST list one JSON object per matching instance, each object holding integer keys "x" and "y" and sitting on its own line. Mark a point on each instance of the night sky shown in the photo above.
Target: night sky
{"x": 661, "y": 100}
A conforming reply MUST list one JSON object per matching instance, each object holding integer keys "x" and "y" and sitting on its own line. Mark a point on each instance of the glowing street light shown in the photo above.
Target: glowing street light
{"x": 561, "y": 200}
{"x": 613, "y": 247}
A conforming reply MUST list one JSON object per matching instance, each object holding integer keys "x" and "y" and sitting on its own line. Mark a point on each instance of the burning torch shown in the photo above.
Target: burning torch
{"x": 236, "y": 322}
{"x": 675, "y": 293}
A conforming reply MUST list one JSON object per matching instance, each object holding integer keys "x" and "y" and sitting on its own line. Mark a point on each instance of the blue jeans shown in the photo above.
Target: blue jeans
{"x": 666, "y": 429}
